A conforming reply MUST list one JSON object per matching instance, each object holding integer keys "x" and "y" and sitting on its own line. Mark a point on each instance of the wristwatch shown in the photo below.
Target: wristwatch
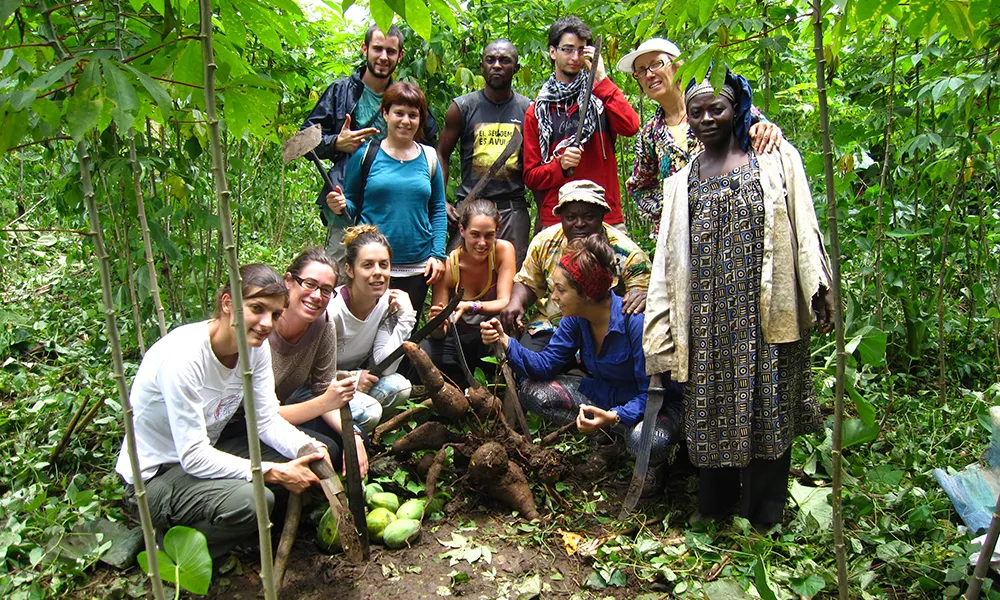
{"x": 618, "y": 418}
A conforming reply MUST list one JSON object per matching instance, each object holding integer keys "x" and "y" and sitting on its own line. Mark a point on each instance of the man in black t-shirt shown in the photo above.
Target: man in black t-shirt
{"x": 484, "y": 121}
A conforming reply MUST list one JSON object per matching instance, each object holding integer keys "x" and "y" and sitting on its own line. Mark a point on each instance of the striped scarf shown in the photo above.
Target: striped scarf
{"x": 557, "y": 93}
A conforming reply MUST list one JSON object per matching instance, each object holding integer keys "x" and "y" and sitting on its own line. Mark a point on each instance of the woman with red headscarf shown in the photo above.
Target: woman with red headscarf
{"x": 613, "y": 397}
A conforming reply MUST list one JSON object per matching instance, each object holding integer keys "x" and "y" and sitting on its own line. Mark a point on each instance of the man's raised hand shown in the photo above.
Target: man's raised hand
{"x": 348, "y": 140}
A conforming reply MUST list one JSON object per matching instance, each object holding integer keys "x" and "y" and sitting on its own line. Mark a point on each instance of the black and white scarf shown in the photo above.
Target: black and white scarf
{"x": 556, "y": 93}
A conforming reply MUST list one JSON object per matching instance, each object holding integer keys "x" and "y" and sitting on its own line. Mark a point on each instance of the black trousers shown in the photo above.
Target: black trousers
{"x": 761, "y": 488}
{"x": 415, "y": 287}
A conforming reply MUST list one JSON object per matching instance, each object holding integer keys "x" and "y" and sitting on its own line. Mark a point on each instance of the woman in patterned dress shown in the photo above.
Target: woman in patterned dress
{"x": 740, "y": 276}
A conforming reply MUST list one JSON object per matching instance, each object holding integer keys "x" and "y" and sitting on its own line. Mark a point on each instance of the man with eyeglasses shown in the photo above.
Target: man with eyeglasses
{"x": 666, "y": 144}
{"x": 551, "y": 122}
{"x": 482, "y": 123}
{"x": 349, "y": 113}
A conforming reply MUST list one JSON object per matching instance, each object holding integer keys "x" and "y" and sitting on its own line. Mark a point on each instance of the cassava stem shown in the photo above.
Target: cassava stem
{"x": 838, "y": 320}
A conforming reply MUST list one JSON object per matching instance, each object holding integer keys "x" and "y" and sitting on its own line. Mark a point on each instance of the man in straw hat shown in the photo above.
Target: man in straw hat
{"x": 581, "y": 209}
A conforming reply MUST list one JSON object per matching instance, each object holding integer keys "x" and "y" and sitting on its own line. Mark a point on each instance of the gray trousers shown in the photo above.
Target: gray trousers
{"x": 222, "y": 509}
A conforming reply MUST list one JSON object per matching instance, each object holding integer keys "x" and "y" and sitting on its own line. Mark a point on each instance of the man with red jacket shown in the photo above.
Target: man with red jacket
{"x": 552, "y": 120}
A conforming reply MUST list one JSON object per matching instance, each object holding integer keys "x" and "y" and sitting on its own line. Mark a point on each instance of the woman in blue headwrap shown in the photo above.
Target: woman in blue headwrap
{"x": 740, "y": 276}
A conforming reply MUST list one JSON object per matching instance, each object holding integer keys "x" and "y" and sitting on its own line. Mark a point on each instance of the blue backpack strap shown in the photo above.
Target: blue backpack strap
{"x": 371, "y": 151}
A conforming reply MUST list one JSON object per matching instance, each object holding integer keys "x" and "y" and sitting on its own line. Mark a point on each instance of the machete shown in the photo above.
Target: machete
{"x": 350, "y": 539}
{"x": 583, "y": 108}
{"x": 462, "y": 361}
{"x": 304, "y": 143}
{"x": 421, "y": 333}
{"x": 654, "y": 400}
{"x": 513, "y": 144}
{"x": 511, "y": 403}
{"x": 355, "y": 491}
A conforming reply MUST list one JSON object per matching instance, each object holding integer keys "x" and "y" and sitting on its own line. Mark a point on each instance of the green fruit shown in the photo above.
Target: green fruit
{"x": 378, "y": 519}
{"x": 401, "y": 533}
{"x": 411, "y": 509}
{"x": 370, "y": 490}
{"x": 386, "y": 500}
{"x": 327, "y": 535}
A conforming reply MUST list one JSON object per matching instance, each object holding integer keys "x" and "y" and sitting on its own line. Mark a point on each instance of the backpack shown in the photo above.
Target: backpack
{"x": 371, "y": 151}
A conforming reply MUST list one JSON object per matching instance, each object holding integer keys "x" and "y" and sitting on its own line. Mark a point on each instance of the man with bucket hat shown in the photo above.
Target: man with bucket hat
{"x": 666, "y": 144}
{"x": 580, "y": 208}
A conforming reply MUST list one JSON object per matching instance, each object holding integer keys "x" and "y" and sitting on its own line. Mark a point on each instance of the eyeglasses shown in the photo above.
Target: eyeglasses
{"x": 311, "y": 285}
{"x": 571, "y": 50}
{"x": 640, "y": 72}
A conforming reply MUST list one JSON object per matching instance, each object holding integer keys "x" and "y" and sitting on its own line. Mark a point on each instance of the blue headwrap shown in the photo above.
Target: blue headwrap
{"x": 737, "y": 90}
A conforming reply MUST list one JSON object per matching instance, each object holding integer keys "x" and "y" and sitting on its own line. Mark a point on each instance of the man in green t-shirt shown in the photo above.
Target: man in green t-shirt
{"x": 349, "y": 113}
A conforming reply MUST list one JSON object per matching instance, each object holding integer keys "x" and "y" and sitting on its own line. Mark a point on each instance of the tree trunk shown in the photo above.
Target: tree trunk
{"x": 838, "y": 320}
{"x": 226, "y": 221}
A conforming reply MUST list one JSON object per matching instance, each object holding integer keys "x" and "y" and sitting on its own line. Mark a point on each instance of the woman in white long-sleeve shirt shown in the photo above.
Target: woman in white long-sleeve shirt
{"x": 372, "y": 321}
{"x": 186, "y": 389}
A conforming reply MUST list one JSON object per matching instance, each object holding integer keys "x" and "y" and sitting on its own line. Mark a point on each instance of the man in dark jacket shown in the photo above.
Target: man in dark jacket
{"x": 349, "y": 113}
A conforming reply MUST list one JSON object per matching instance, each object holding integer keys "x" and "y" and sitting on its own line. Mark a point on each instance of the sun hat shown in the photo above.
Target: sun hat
{"x": 651, "y": 45}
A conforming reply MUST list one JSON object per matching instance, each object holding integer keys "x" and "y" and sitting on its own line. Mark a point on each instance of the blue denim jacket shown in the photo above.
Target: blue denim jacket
{"x": 618, "y": 379}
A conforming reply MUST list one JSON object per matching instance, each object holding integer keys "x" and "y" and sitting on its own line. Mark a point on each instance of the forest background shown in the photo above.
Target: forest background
{"x": 913, "y": 105}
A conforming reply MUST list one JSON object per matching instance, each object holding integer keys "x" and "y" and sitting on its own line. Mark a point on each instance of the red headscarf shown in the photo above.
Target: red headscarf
{"x": 595, "y": 285}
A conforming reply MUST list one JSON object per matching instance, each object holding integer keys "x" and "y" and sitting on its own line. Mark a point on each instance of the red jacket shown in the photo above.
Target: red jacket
{"x": 598, "y": 163}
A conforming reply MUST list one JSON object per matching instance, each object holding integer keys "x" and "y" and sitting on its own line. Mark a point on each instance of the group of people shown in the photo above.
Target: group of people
{"x": 722, "y": 313}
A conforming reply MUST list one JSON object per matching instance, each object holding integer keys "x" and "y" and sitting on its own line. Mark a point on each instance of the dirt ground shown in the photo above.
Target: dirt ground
{"x": 524, "y": 560}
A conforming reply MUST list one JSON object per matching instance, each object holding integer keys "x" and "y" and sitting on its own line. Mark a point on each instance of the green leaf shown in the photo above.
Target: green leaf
{"x": 48, "y": 111}
{"x": 382, "y": 13}
{"x": 259, "y": 23}
{"x": 236, "y": 32}
{"x": 189, "y": 549}
{"x": 7, "y": 8}
{"x": 189, "y": 67}
{"x": 760, "y": 581}
{"x": 814, "y": 501}
{"x": 886, "y": 475}
{"x": 121, "y": 92}
{"x": 55, "y": 74}
{"x": 725, "y": 589}
{"x": 155, "y": 91}
{"x": 956, "y": 18}
{"x": 807, "y": 586}
{"x": 890, "y": 551}
{"x": 906, "y": 233}
{"x": 870, "y": 342}
{"x": 83, "y": 112}
{"x": 419, "y": 18}
{"x": 22, "y": 98}
{"x": 446, "y": 12}
{"x": 857, "y": 432}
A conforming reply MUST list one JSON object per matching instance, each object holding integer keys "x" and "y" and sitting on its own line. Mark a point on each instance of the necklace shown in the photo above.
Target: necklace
{"x": 402, "y": 155}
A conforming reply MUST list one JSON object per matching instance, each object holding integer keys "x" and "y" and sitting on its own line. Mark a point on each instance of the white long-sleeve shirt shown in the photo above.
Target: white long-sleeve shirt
{"x": 182, "y": 398}
{"x": 379, "y": 334}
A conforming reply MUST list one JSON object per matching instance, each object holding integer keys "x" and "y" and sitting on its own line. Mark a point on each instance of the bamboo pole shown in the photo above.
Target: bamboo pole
{"x": 147, "y": 246}
{"x": 838, "y": 320}
{"x": 226, "y": 221}
{"x": 114, "y": 342}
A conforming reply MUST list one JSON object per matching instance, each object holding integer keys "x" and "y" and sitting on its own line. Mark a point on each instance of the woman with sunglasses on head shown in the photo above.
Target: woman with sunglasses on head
{"x": 187, "y": 388}
{"x": 612, "y": 399}
{"x": 740, "y": 276}
{"x": 304, "y": 355}
{"x": 372, "y": 320}
{"x": 483, "y": 266}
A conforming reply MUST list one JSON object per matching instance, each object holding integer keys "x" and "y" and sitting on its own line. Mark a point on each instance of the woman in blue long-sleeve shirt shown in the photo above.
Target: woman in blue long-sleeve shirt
{"x": 609, "y": 343}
